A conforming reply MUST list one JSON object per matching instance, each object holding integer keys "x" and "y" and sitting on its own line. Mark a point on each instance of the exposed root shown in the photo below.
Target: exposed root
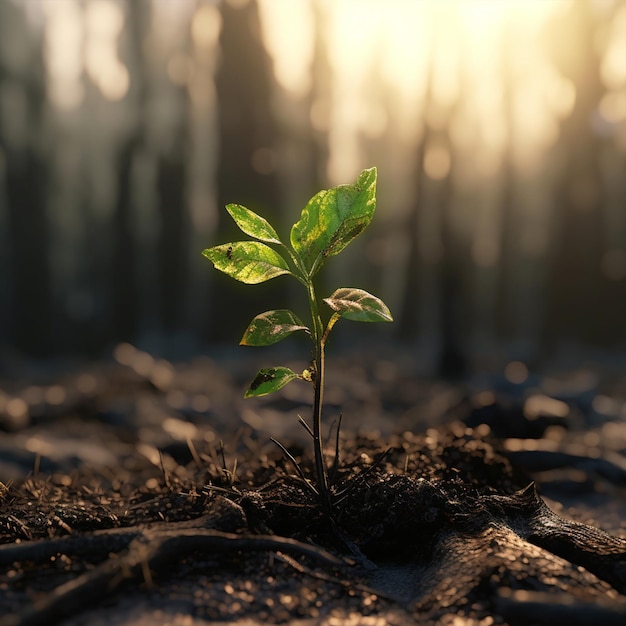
{"x": 150, "y": 552}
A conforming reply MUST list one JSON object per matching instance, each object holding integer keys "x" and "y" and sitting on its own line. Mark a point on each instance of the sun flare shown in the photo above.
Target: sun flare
{"x": 456, "y": 53}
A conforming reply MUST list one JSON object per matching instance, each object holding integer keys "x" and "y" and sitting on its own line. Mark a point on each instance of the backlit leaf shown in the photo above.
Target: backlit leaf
{"x": 247, "y": 261}
{"x": 332, "y": 219}
{"x": 358, "y": 305}
{"x": 252, "y": 224}
{"x": 271, "y": 327}
{"x": 269, "y": 380}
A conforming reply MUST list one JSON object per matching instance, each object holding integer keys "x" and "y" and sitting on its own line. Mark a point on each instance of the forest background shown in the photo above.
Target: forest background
{"x": 498, "y": 129}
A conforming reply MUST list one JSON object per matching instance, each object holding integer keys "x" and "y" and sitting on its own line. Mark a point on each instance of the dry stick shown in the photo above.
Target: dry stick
{"x": 100, "y": 542}
{"x": 194, "y": 453}
{"x": 152, "y": 551}
{"x": 305, "y": 426}
{"x": 43, "y": 550}
{"x": 22, "y": 526}
{"x": 233, "y": 475}
{"x": 343, "y": 582}
{"x": 296, "y": 465}
{"x": 225, "y": 471}
{"x": 221, "y": 451}
{"x": 166, "y": 478}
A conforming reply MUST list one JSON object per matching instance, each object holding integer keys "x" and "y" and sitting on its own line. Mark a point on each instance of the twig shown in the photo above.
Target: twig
{"x": 194, "y": 453}
{"x": 305, "y": 426}
{"x": 99, "y": 543}
{"x": 356, "y": 552}
{"x": 296, "y": 465}
{"x": 221, "y": 451}
{"x": 343, "y": 582}
{"x": 344, "y": 493}
{"x": 166, "y": 478}
{"x": 156, "y": 550}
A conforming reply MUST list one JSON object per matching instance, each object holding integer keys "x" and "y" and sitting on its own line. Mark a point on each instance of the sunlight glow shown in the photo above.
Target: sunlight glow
{"x": 613, "y": 70}
{"x": 205, "y": 27}
{"x": 63, "y": 42}
{"x": 289, "y": 37}
{"x": 614, "y": 61}
{"x": 450, "y": 53}
{"x": 104, "y": 21}
{"x": 476, "y": 70}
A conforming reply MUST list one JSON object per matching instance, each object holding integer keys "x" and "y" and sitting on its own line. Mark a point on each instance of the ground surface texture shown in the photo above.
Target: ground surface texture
{"x": 119, "y": 504}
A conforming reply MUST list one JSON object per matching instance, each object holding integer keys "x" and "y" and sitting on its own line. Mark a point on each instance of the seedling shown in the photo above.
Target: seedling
{"x": 328, "y": 223}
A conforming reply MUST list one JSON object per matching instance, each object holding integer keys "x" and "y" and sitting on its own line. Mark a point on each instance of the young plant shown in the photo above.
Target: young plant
{"x": 328, "y": 223}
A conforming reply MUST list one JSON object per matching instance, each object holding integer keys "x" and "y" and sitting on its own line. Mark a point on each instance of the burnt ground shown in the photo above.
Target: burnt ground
{"x": 137, "y": 491}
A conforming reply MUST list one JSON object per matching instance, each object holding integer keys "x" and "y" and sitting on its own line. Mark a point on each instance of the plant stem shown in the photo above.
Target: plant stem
{"x": 320, "y": 466}
{"x": 318, "y": 383}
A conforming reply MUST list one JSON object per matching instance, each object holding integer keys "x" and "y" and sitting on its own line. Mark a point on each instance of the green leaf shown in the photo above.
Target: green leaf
{"x": 269, "y": 380}
{"x": 332, "y": 219}
{"x": 250, "y": 262}
{"x": 253, "y": 224}
{"x": 271, "y": 327}
{"x": 358, "y": 305}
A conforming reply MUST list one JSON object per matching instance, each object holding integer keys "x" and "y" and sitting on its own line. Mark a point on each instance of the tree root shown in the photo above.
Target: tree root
{"x": 474, "y": 569}
{"x": 150, "y": 551}
{"x": 598, "y": 552}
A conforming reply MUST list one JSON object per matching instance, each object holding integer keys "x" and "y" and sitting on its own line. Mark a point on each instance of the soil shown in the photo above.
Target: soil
{"x": 142, "y": 492}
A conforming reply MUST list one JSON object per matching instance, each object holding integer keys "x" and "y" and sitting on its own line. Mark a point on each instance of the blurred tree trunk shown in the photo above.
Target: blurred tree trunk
{"x": 244, "y": 174}
{"x": 454, "y": 309}
{"x": 173, "y": 237}
{"x": 409, "y": 317}
{"x": 31, "y": 294}
{"x": 505, "y": 286}
{"x": 124, "y": 262}
{"x": 22, "y": 137}
{"x": 575, "y": 287}
{"x": 174, "y": 226}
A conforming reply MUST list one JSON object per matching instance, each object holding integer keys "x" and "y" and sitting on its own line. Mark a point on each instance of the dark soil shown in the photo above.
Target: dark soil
{"x": 145, "y": 493}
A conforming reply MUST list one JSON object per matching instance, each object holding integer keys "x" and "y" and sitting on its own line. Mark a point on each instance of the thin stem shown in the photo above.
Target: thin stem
{"x": 318, "y": 382}
{"x": 320, "y": 466}
{"x": 335, "y": 465}
{"x": 300, "y": 273}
